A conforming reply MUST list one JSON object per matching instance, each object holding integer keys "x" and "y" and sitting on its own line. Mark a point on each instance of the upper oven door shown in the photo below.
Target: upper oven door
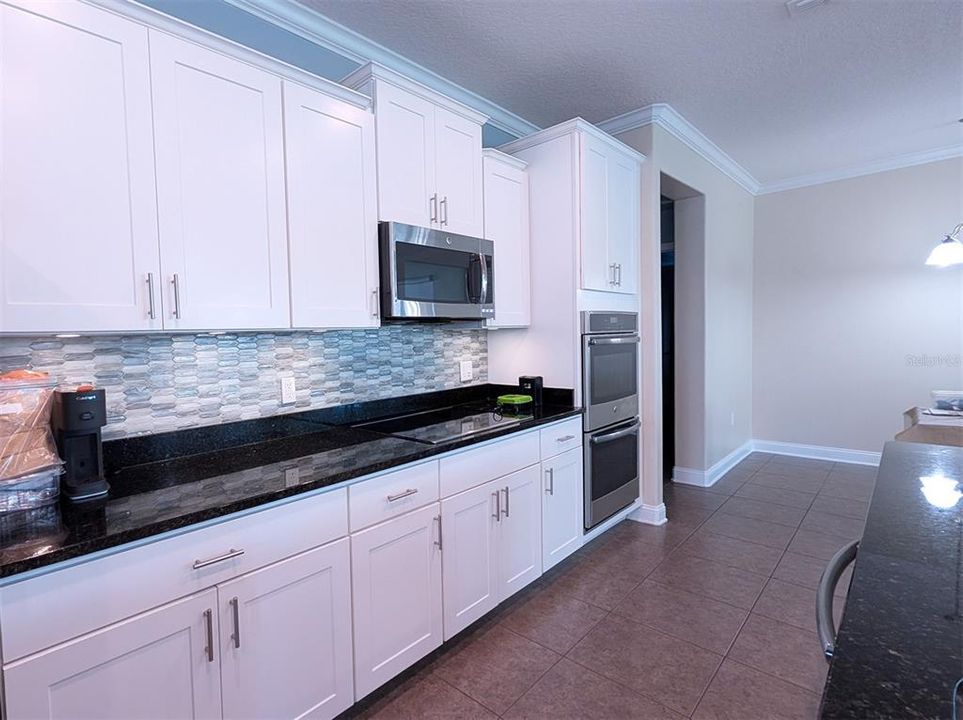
{"x": 435, "y": 274}
{"x": 610, "y": 379}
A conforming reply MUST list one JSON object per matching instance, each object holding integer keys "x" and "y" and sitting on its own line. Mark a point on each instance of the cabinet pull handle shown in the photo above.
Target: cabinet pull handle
{"x": 438, "y": 541}
{"x": 612, "y": 278}
{"x": 550, "y": 474}
{"x": 444, "y": 206}
{"x": 176, "y": 310}
{"x": 506, "y": 501}
{"x": 565, "y": 438}
{"x": 229, "y": 555}
{"x": 399, "y": 496}
{"x": 151, "y": 313}
{"x": 237, "y": 622}
{"x": 618, "y": 269}
{"x": 433, "y": 205}
{"x": 498, "y": 505}
{"x": 209, "y": 622}
{"x": 374, "y": 303}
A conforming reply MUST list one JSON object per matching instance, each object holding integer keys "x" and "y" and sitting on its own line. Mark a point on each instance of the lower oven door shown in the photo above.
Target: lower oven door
{"x": 611, "y": 471}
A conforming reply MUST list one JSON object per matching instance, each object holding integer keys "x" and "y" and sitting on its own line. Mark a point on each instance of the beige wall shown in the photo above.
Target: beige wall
{"x": 845, "y": 309}
{"x": 728, "y": 309}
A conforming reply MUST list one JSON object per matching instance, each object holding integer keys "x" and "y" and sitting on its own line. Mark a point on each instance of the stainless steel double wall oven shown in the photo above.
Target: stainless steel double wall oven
{"x": 610, "y": 394}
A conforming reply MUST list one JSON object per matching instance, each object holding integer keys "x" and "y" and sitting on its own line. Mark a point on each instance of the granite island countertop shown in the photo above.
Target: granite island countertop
{"x": 899, "y": 648}
{"x": 166, "y": 482}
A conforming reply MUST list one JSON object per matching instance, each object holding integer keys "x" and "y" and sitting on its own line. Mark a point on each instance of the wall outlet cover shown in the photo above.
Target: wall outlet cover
{"x": 288, "y": 391}
{"x": 465, "y": 370}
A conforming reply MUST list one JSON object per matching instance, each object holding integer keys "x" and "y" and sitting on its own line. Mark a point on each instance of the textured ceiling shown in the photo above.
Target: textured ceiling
{"x": 843, "y": 84}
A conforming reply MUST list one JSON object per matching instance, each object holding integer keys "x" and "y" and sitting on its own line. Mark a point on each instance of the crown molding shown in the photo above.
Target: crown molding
{"x": 360, "y": 80}
{"x": 877, "y": 166}
{"x": 666, "y": 117}
{"x": 158, "y": 20}
{"x": 498, "y": 155}
{"x": 566, "y": 128}
{"x": 317, "y": 28}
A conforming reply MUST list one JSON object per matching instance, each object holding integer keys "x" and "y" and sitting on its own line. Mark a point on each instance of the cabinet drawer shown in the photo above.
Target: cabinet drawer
{"x": 54, "y": 607}
{"x": 493, "y": 460}
{"x": 560, "y": 438}
{"x": 385, "y": 497}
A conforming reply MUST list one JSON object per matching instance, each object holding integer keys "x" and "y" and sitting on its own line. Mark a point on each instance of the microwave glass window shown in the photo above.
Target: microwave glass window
{"x": 613, "y": 372}
{"x": 436, "y": 275}
{"x": 614, "y": 464}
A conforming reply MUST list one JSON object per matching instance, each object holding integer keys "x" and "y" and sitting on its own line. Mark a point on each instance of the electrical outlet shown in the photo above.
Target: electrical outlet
{"x": 465, "y": 370}
{"x": 292, "y": 476}
{"x": 288, "y": 391}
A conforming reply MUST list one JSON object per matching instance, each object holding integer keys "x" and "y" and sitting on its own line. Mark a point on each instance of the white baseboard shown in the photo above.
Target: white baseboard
{"x": 817, "y": 452}
{"x": 649, "y": 514}
{"x": 707, "y": 478}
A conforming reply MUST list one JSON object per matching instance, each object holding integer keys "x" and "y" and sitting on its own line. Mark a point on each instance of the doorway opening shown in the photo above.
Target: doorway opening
{"x": 667, "y": 225}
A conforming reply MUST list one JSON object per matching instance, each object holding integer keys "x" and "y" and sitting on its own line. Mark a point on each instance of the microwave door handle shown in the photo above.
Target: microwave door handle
{"x": 622, "y": 340}
{"x": 484, "y": 278}
{"x": 609, "y": 437}
{"x": 474, "y": 264}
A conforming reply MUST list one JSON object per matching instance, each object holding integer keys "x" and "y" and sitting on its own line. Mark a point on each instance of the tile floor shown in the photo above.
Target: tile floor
{"x": 708, "y": 616}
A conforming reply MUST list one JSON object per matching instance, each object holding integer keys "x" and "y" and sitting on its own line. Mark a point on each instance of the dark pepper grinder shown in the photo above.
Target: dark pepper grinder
{"x": 531, "y": 385}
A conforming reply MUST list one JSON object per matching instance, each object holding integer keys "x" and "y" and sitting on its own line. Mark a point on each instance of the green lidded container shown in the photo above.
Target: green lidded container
{"x": 515, "y": 404}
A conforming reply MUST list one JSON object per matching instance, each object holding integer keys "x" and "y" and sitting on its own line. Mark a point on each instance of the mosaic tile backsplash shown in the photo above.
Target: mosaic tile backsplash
{"x": 157, "y": 383}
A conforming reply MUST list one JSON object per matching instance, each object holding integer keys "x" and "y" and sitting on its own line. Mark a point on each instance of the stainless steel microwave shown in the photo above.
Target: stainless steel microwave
{"x": 433, "y": 275}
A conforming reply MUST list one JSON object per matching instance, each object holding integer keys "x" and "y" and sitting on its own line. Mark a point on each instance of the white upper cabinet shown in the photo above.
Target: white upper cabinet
{"x": 220, "y": 189}
{"x": 429, "y": 153}
{"x": 78, "y": 237}
{"x": 507, "y": 226}
{"x": 610, "y": 206}
{"x": 332, "y": 215}
{"x": 458, "y": 173}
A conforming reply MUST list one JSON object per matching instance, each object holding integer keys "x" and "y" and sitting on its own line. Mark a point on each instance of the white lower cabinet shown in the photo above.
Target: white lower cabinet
{"x": 396, "y": 591}
{"x": 285, "y": 641}
{"x": 159, "y": 664}
{"x": 492, "y": 545}
{"x": 561, "y": 501}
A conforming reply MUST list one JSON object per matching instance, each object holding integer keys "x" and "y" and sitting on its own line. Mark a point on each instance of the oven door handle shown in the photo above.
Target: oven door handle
{"x": 624, "y": 339}
{"x": 609, "y": 437}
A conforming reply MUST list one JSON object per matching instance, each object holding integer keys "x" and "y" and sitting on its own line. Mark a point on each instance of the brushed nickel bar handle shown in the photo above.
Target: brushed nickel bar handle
{"x": 443, "y": 205}
{"x": 438, "y": 541}
{"x": 550, "y": 474}
{"x": 825, "y": 627}
{"x": 374, "y": 303}
{"x": 237, "y": 622}
{"x": 565, "y": 438}
{"x": 407, "y": 493}
{"x": 498, "y": 505}
{"x": 433, "y": 205}
{"x": 176, "y": 311}
{"x": 151, "y": 312}
{"x": 209, "y": 621}
{"x": 229, "y": 555}
{"x": 506, "y": 501}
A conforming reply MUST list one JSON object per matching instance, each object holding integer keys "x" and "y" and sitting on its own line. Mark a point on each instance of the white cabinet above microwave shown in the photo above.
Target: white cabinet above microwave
{"x": 429, "y": 153}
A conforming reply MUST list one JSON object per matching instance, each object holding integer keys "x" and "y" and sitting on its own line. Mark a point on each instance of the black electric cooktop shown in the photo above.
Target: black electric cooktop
{"x": 434, "y": 427}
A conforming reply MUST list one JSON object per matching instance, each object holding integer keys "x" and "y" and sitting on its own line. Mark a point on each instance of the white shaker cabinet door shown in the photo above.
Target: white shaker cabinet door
{"x": 78, "y": 222}
{"x": 220, "y": 189}
{"x": 458, "y": 171}
{"x": 598, "y": 272}
{"x": 159, "y": 664}
{"x": 286, "y": 637}
{"x": 506, "y": 225}
{"x": 406, "y": 157}
{"x": 396, "y": 595}
{"x": 332, "y": 210}
{"x": 520, "y": 531}
{"x": 624, "y": 203}
{"x": 469, "y": 530}
{"x": 562, "y": 489}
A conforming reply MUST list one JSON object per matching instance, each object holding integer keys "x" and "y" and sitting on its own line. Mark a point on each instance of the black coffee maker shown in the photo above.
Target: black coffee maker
{"x": 76, "y": 419}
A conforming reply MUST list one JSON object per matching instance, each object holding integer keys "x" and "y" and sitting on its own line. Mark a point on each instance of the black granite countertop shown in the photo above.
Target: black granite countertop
{"x": 169, "y": 481}
{"x": 899, "y": 649}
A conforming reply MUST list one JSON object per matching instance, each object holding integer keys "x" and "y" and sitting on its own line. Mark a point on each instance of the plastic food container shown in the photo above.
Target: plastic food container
{"x": 947, "y": 399}
{"x": 30, "y": 491}
{"x": 26, "y": 443}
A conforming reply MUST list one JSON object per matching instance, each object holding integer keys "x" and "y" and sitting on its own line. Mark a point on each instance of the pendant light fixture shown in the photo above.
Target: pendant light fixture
{"x": 949, "y": 252}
